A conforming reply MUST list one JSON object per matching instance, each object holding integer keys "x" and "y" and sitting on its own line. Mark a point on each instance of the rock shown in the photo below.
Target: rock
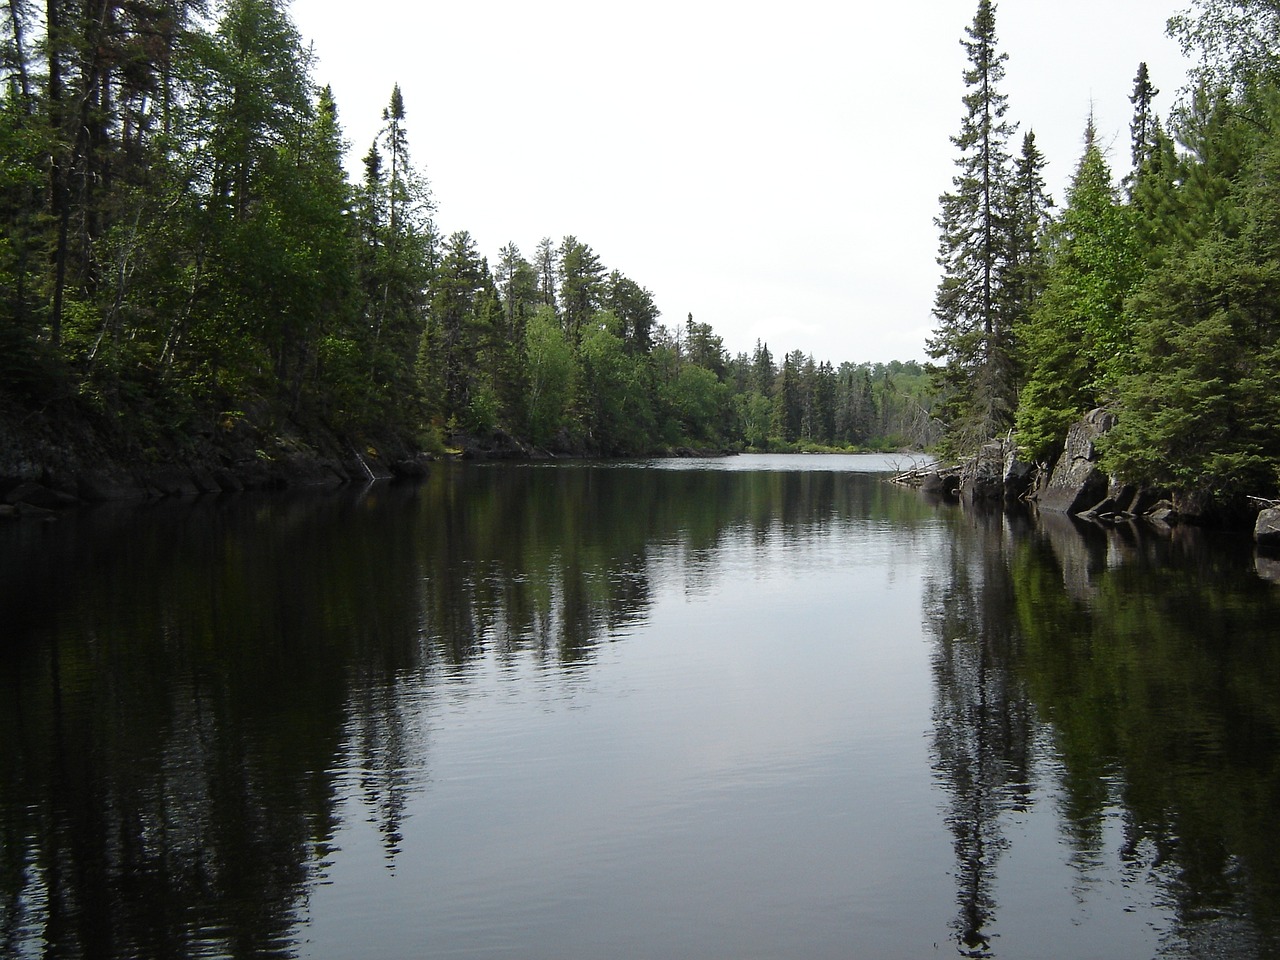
{"x": 940, "y": 484}
{"x": 8, "y": 511}
{"x": 1076, "y": 483}
{"x": 227, "y": 481}
{"x": 205, "y": 481}
{"x": 1267, "y": 530}
{"x": 1102, "y": 510}
{"x": 1019, "y": 475}
{"x": 32, "y": 511}
{"x": 100, "y": 486}
{"x": 1267, "y": 568}
{"x": 1161, "y": 513}
{"x": 410, "y": 469}
{"x": 38, "y": 495}
{"x": 983, "y": 477}
{"x": 170, "y": 482}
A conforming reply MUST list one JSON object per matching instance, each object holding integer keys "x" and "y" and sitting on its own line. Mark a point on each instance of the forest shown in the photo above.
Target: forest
{"x": 1155, "y": 295}
{"x": 183, "y": 251}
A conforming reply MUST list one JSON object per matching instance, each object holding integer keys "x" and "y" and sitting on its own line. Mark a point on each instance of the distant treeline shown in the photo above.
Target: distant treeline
{"x": 1157, "y": 296}
{"x": 182, "y": 250}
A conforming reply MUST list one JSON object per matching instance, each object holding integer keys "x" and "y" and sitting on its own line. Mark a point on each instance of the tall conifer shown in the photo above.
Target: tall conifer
{"x": 973, "y": 336}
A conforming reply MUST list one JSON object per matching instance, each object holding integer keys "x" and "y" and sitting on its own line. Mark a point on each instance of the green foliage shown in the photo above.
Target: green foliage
{"x": 180, "y": 239}
{"x": 978, "y": 251}
{"x": 1200, "y": 411}
{"x": 1078, "y": 339}
{"x": 553, "y": 373}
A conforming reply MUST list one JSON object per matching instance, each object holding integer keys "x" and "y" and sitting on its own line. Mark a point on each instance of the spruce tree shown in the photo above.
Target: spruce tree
{"x": 973, "y": 338}
{"x": 1144, "y": 129}
{"x": 1079, "y": 338}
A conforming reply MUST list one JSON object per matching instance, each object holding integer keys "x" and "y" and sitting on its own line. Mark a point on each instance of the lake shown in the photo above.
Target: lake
{"x": 752, "y": 707}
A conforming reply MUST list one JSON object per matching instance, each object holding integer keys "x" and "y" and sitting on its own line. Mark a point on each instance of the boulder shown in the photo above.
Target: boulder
{"x": 1019, "y": 475}
{"x": 38, "y": 495}
{"x": 1076, "y": 483}
{"x": 1267, "y": 568}
{"x": 99, "y": 485}
{"x": 940, "y": 484}
{"x": 1267, "y": 529}
{"x": 983, "y": 477}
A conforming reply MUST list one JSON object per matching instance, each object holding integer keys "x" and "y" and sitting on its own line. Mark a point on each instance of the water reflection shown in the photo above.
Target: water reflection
{"x": 197, "y": 700}
{"x": 188, "y": 690}
{"x": 1135, "y": 680}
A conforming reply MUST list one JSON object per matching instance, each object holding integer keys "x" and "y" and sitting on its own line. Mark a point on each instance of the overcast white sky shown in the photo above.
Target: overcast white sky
{"x": 773, "y": 170}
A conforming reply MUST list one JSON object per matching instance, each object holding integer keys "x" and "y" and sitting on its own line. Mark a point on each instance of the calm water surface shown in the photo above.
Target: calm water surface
{"x": 760, "y": 707}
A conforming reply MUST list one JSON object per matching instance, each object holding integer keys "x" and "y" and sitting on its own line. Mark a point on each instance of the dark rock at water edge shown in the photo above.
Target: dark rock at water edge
{"x": 982, "y": 478}
{"x": 1266, "y": 530}
{"x": 1076, "y": 483}
{"x": 1019, "y": 475}
{"x": 62, "y": 456}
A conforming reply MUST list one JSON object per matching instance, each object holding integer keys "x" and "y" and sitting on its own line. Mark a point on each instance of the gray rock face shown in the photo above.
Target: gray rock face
{"x": 1076, "y": 483}
{"x": 1019, "y": 475}
{"x": 1267, "y": 530}
{"x": 983, "y": 477}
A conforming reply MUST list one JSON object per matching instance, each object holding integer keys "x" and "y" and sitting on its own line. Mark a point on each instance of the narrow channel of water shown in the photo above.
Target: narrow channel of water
{"x": 765, "y": 707}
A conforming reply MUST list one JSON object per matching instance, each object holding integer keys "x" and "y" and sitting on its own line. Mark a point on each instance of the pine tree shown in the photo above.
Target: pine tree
{"x": 974, "y": 334}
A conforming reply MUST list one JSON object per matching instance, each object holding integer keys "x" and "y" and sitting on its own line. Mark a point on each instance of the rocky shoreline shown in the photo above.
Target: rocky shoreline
{"x": 54, "y": 459}
{"x": 1075, "y": 485}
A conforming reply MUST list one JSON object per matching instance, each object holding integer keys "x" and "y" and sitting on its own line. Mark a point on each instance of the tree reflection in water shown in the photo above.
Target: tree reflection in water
{"x": 188, "y": 690}
{"x": 193, "y": 695}
{"x": 983, "y": 723}
{"x": 1133, "y": 676}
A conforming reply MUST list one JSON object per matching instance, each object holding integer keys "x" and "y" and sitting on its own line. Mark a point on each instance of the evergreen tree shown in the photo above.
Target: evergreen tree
{"x": 459, "y": 329}
{"x": 763, "y": 371}
{"x": 544, "y": 262}
{"x": 1079, "y": 338}
{"x": 1144, "y": 129}
{"x": 398, "y": 259}
{"x": 581, "y": 285}
{"x": 974, "y": 333}
{"x": 633, "y": 307}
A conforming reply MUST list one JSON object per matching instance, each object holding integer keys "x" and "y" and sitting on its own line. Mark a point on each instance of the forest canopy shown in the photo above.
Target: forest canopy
{"x": 1154, "y": 295}
{"x": 183, "y": 249}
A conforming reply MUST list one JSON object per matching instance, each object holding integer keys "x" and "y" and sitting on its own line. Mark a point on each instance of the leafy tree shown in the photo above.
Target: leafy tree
{"x": 616, "y": 390}
{"x": 974, "y": 335}
{"x": 698, "y": 401}
{"x": 553, "y": 372}
{"x": 1236, "y": 43}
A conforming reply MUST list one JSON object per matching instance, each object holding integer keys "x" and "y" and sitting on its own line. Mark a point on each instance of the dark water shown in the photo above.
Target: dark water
{"x": 753, "y": 708}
